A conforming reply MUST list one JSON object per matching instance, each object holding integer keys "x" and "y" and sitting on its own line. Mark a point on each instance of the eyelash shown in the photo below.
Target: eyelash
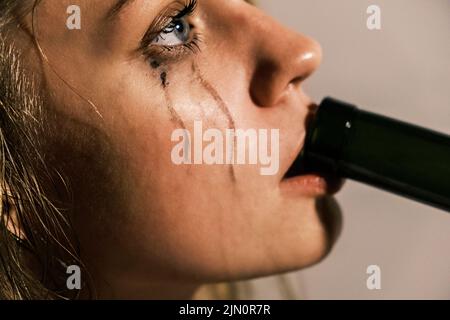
{"x": 168, "y": 19}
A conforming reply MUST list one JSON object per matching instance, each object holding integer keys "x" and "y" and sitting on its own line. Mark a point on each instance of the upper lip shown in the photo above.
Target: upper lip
{"x": 334, "y": 183}
{"x": 293, "y": 169}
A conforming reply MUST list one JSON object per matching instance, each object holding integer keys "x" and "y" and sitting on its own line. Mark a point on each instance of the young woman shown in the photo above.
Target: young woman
{"x": 87, "y": 117}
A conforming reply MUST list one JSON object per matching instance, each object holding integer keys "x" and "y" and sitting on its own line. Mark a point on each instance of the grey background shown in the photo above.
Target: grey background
{"x": 401, "y": 71}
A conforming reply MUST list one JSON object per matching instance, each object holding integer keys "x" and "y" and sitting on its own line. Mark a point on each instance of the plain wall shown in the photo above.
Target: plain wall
{"x": 403, "y": 71}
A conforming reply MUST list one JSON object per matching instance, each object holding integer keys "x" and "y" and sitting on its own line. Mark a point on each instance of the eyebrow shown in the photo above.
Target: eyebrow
{"x": 121, "y": 4}
{"x": 117, "y": 8}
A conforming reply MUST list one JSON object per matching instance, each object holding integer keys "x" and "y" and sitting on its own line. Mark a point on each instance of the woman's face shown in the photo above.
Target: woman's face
{"x": 116, "y": 100}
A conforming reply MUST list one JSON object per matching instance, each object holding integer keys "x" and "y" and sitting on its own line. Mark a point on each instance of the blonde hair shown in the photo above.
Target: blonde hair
{"x": 37, "y": 241}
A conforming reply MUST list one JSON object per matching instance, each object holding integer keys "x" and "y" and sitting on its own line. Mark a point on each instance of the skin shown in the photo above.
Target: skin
{"x": 149, "y": 228}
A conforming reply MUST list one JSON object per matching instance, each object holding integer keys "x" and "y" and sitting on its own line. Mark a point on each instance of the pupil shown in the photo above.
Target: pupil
{"x": 182, "y": 30}
{"x": 179, "y": 27}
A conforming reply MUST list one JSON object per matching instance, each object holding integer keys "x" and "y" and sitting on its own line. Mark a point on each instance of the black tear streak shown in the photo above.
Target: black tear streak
{"x": 163, "y": 77}
{"x": 221, "y": 104}
{"x": 174, "y": 116}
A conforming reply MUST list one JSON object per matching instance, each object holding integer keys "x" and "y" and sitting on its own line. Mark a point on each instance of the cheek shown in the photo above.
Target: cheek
{"x": 146, "y": 111}
{"x": 172, "y": 207}
{"x": 190, "y": 219}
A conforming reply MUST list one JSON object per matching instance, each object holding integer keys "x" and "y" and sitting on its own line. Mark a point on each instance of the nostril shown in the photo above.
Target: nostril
{"x": 264, "y": 82}
{"x": 300, "y": 79}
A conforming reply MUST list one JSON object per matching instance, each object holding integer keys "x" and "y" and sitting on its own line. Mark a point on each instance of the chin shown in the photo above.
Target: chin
{"x": 330, "y": 215}
{"x": 318, "y": 238}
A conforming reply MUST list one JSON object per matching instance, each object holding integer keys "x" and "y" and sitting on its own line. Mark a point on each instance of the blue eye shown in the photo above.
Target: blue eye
{"x": 177, "y": 33}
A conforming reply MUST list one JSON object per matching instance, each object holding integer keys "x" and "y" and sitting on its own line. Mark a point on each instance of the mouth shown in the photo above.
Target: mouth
{"x": 300, "y": 181}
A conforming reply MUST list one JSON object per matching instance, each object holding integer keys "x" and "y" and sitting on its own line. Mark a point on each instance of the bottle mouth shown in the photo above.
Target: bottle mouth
{"x": 326, "y": 135}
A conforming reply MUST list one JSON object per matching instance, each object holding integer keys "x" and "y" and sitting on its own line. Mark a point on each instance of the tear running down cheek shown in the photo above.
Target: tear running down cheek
{"x": 227, "y": 147}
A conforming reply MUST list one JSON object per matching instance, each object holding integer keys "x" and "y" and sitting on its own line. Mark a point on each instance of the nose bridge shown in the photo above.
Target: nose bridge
{"x": 286, "y": 44}
{"x": 283, "y": 57}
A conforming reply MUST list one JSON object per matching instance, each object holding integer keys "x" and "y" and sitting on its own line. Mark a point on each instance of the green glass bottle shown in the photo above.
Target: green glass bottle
{"x": 389, "y": 154}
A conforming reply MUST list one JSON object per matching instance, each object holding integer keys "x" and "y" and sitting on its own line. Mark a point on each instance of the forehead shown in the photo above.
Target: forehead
{"x": 88, "y": 8}
{"x": 56, "y": 13}
{"x": 118, "y": 6}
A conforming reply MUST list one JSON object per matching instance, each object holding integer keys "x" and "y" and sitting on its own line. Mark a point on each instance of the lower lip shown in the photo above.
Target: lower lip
{"x": 312, "y": 185}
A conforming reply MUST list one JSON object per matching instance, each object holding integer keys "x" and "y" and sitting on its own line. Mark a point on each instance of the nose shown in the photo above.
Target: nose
{"x": 283, "y": 59}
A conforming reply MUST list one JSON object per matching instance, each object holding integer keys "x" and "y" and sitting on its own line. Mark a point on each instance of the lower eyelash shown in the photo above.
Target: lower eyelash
{"x": 194, "y": 44}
